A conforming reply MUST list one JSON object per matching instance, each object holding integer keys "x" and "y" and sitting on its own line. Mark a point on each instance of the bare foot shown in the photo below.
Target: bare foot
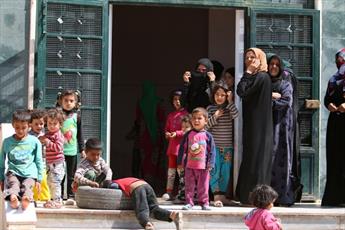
{"x": 149, "y": 226}
{"x": 25, "y": 202}
{"x": 14, "y": 203}
{"x": 176, "y": 217}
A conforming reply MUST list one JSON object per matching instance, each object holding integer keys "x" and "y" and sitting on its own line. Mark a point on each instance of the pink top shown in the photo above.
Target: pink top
{"x": 173, "y": 124}
{"x": 261, "y": 219}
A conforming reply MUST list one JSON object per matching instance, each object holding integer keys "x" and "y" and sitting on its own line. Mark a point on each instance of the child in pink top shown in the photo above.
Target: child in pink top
{"x": 260, "y": 218}
{"x": 174, "y": 134}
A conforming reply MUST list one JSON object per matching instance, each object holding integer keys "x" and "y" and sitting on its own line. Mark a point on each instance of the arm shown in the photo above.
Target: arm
{"x": 55, "y": 142}
{"x": 80, "y": 137}
{"x": 286, "y": 97}
{"x": 2, "y": 162}
{"x": 79, "y": 176}
{"x": 39, "y": 161}
{"x": 211, "y": 152}
{"x": 106, "y": 170}
{"x": 250, "y": 84}
{"x": 270, "y": 222}
{"x": 233, "y": 110}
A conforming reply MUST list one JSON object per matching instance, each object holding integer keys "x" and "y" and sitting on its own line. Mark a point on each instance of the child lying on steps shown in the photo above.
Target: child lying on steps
{"x": 145, "y": 203}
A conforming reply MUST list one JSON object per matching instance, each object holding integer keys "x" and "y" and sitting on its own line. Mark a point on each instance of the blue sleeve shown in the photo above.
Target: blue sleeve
{"x": 39, "y": 160}
{"x": 286, "y": 97}
{"x": 2, "y": 161}
{"x": 211, "y": 153}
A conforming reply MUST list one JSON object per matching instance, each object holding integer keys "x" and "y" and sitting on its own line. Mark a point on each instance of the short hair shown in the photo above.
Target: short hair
{"x": 186, "y": 118}
{"x": 37, "y": 114}
{"x": 201, "y": 110}
{"x": 93, "y": 143}
{"x": 56, "y": 114}
{"x": 21, "y": 115}
{"x": 262, "y": 196}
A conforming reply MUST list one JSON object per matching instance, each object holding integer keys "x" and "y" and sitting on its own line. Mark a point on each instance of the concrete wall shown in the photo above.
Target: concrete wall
{"x": 332, "y": 39}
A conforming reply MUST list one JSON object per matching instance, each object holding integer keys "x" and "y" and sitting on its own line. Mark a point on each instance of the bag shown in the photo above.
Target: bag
{"x": 45, "y": 192}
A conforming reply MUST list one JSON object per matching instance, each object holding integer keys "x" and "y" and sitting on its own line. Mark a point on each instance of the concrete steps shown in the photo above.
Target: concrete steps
{"x": 300, "y": 216}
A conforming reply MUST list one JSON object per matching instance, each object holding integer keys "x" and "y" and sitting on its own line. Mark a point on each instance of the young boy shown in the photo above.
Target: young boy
{"x": 92, "y": 170}
{"x": 197, "y": 155}
{"x": 25, "y": 165}
{"x": 145, "y": 203}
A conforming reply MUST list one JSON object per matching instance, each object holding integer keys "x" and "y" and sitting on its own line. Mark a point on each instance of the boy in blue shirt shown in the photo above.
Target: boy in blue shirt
{"x": 25, "y": 164}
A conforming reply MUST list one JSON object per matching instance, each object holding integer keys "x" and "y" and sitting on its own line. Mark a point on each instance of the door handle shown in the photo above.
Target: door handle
{"x": 312, "y": 104}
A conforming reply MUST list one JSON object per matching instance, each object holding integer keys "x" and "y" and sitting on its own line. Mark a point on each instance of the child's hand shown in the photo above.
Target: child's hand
{"x": 94, "y": 184}
{"x": 211, "y": 76}
{"x": 43, "y": 140}
{"x": 218, "y": 113}
{"x": 38, "y": 187}
{"x": 167, "y": 135}
{"x": 82, "y": 154}
{"x": 173, "y": 134}
{"x": 2, "y": 185}
{"x": 209, "y": 168}
{"x": 186, "y": 76}
{"x": 230, "y": 96}
{"x": 179, "y": 170}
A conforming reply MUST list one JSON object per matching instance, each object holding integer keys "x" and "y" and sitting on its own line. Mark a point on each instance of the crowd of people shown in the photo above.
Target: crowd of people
{"x": 200, "y": 151}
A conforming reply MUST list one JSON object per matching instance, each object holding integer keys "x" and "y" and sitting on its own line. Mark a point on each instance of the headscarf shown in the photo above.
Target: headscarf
{"x": 276, "y": 81}
{"x": 338, "y": 79}
{"x": 148, "y": 105}
{"x": 262, "y": 58}
{"x": 177, "y": 92}
{"x": 207, "y": 63}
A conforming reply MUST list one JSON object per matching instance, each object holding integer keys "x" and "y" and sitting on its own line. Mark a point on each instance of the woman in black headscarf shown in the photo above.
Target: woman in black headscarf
{"x": 282, "y": 133}
{"x": 254, "y": 89}
{"x": 197, "y": 84}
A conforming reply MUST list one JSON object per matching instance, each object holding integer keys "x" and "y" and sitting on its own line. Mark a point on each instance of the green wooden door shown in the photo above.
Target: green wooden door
{"x": 73, "y": 54}
{"x": 294, "y": 35}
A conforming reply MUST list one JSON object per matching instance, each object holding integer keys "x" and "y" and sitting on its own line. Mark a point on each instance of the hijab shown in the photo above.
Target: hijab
{"x": 340, "y": 53}
{"x": 262, "y": 58}
{"x": 276, "y": 81}
{"x": 207, "y": 63}
{"x": 148, "y": 105}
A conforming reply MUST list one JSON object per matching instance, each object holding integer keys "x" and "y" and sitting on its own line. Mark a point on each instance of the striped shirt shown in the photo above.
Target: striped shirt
{"x": 99, "y": 167}
{"x": 222, "y": 128}
{"x": 54, "y": 148}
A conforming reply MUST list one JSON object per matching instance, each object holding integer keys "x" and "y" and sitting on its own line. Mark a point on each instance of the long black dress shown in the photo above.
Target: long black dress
{"x": 256, "y": 166}
{"x": 335, "y": 148}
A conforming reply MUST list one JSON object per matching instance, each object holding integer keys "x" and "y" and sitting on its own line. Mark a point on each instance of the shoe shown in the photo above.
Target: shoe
{"x": 166, "y": 196}
{"x": 70, "y": 202}
{"x": 187, "y": 207}
{"x": 205, "y": 208}
{"x": 178, "y": 221}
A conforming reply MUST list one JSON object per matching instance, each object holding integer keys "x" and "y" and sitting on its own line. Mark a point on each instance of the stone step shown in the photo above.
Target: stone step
{"x": 300, "y": 216}
{"x": 17, "y": 219}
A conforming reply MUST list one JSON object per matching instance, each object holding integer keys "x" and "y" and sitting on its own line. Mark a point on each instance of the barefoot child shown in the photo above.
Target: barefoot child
{"x": 145, "y": 203}
{"x": 25, "y": 165}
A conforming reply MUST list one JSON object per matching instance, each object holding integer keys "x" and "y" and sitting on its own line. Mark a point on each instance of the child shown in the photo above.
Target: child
{"x": 145, "y": 203}
{"x": 25, "y": 165}
{"x": 37, "y": 130}
{"x": 54, "y": 141}
{"x": 173, "y": 134}
{"x": 260, "y": 218}
{"x": 199, "y": 150}
{"x": 220, "y": 124}
{"x": 69, "y": 100}
{"x": 92, "y": 170}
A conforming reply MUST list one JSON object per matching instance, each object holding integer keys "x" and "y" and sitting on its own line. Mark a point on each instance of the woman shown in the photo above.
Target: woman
{"x": 255, "y": 90}
{"x": 282, "y": 133}
{"x": 334, "y": 194}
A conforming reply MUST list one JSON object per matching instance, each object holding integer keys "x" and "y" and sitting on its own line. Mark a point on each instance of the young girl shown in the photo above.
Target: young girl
{"x": 220, "y": 125}
{"x": 54, "y": 141}
{"x": 69, "y": 100}
{"x": 197, "y": 155}
{"x": 260, "y": 218}
{"x": 173, "y": 134}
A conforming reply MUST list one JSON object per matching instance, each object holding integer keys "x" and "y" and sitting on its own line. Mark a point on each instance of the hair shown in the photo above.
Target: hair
{"x": 37, "y": 114}
{"x": 176, "y": 92}
{"x": 93, "y": 143}
{"x": 201, "y": 110}
{"x": 75, "y": 93}
{"x": 222, "y": 86}
{"x": 262, "y": 196}
{"x": 231, "y": 71}
{"x": 55, "y": 114}
{"x": 186, "y": 118}
{"x": 21, "y": 115}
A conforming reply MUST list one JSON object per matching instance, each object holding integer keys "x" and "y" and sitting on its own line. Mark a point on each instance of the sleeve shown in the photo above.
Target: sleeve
{"x": 80, "y": 136}
{"x": 212, "y": 120}
{"x": 106, "y": 170}
{"x": 233, "y": 110}
{"x": 182, "y": 149}
{"x": 328, "y": 98}
{"x": 2, "y": 161}
{"x": 79, "y": 175}
{"x": 55, "y": 143}
{"x": 250, "y": 84}
{"x": 167, "y": 127}
{"x": 270, "y": 222}
{"x": 39, "y": 160}
{"x": 179, "y": 133}
{"x": 286, "y": 97}
{"x": 211, "y": 146}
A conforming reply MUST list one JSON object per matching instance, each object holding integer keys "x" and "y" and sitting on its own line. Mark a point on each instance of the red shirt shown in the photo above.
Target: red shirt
{"x": 125, "y": 184}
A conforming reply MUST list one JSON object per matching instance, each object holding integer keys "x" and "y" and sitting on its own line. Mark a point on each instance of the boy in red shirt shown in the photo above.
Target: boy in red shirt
{"x": 145, "y": 202}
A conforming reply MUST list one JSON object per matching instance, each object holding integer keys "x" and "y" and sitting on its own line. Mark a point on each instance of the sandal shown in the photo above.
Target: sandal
{"x": 218, "y": 204}
{"x": 149, "y": 226}
{"x": 52, "y": 204}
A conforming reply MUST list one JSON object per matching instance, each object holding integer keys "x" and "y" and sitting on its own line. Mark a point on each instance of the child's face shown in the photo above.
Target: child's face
{"x": 93, "y": 155}
{"x": 21, "y": 129}
{"x": 53, "y": 125}
{"x": 176, "y": 102}
{"x": 68, "y": 102}
{"x": 185, "y": 126}
{"x": 198, "y": 121}
{"x": 229, "y": 79}
{"x": 220, "y": 96}
{"x": 37, "y": 125}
